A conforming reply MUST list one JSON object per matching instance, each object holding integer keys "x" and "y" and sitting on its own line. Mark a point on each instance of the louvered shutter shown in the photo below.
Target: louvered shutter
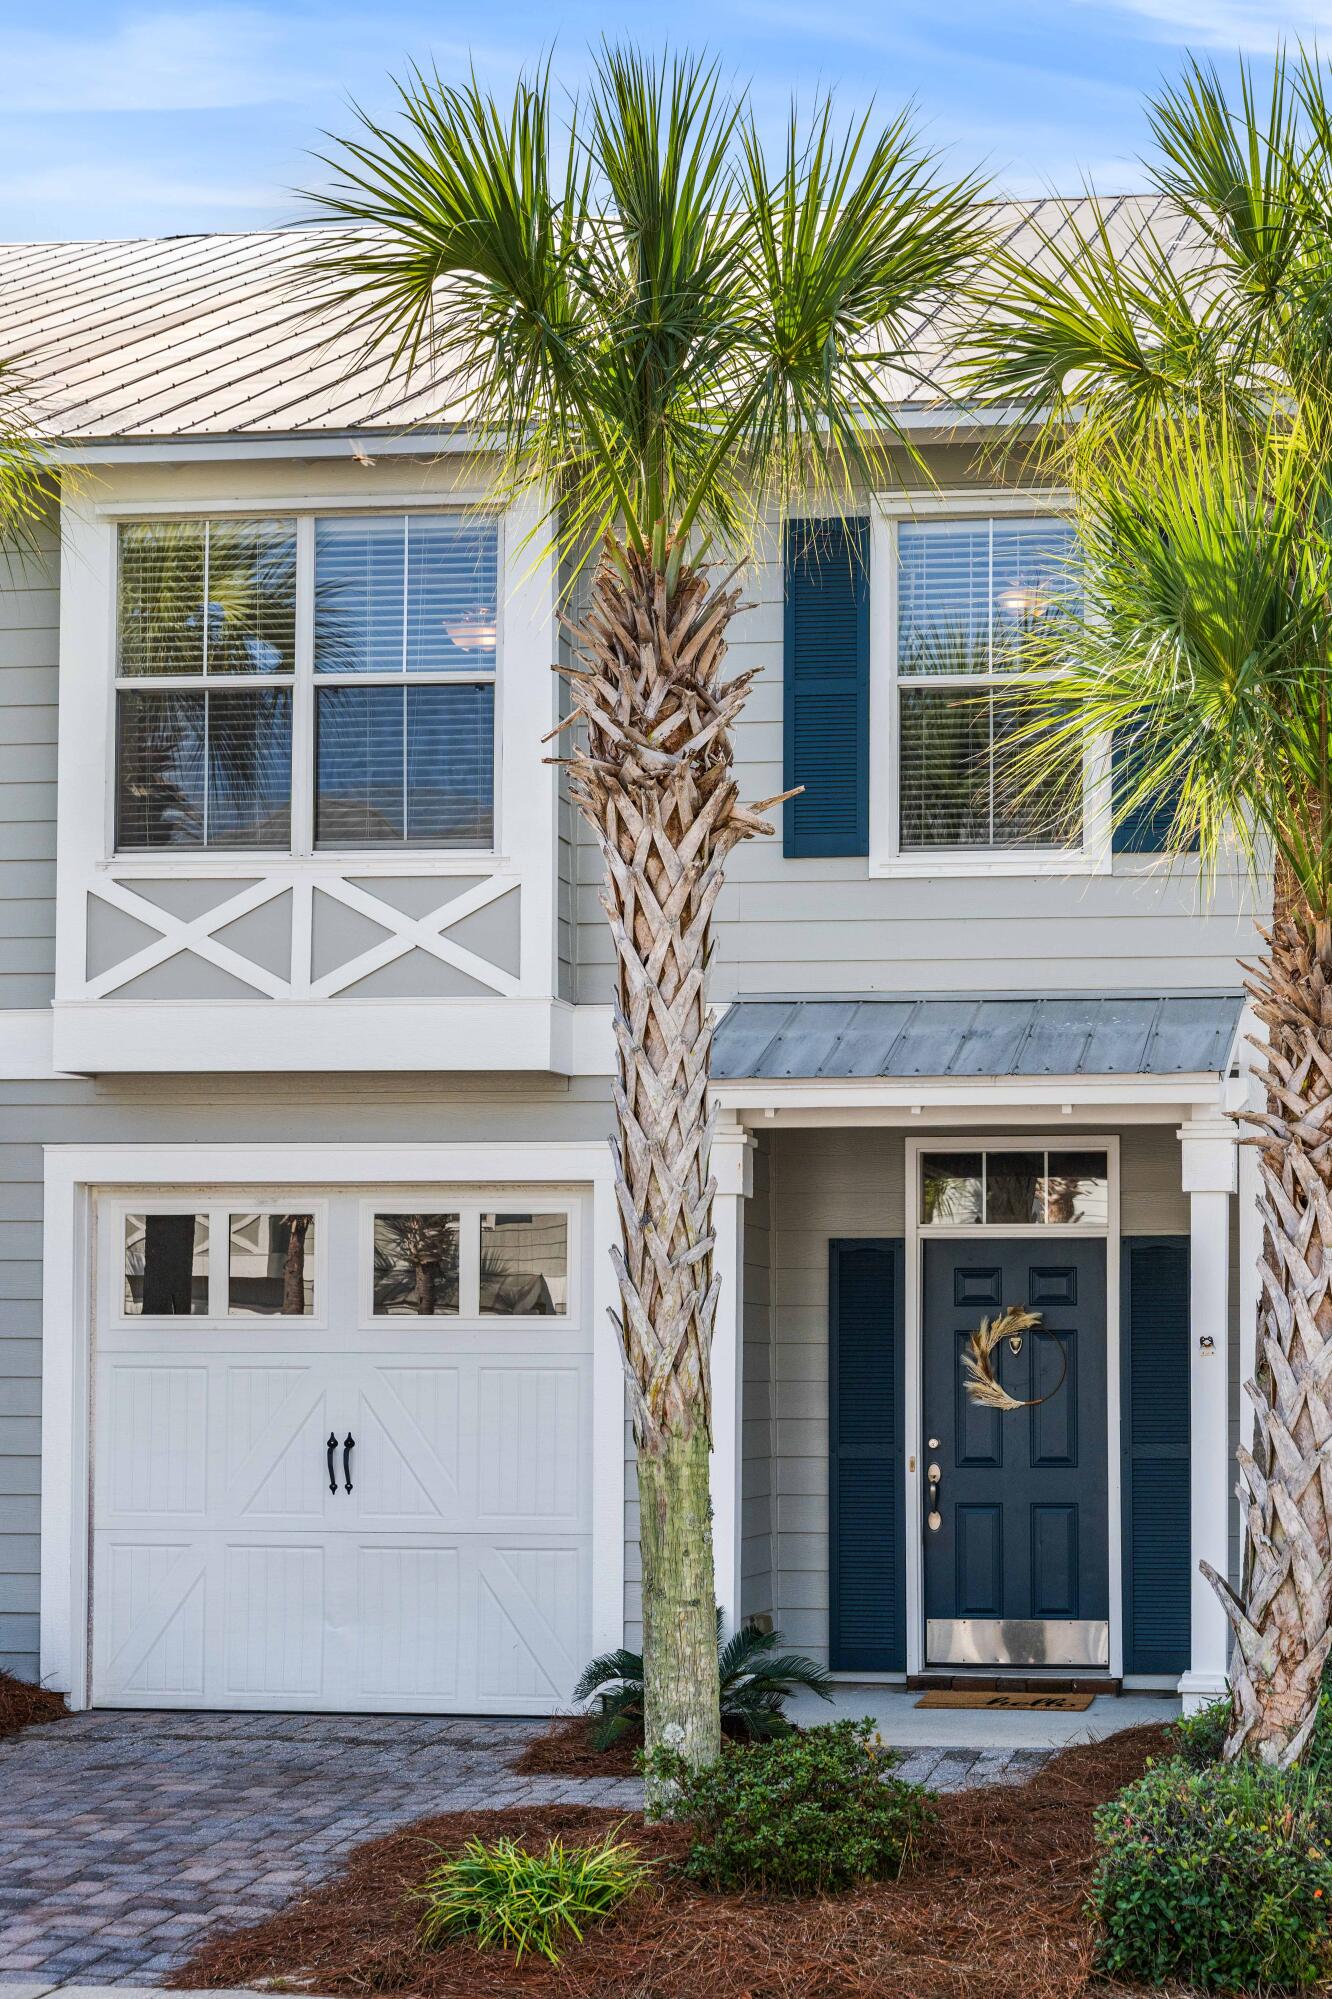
{"x": 826, "y": 687}
{"x": 867, "y": 1551}
{"x": 1146, "y": 829}
{"x": 1154, "y": 1423}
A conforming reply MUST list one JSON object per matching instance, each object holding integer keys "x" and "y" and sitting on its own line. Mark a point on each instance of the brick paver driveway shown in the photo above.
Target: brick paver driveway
{"x": 125, "y": 1837}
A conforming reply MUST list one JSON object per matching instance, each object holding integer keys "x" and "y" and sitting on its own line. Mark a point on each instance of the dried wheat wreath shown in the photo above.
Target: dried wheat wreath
{"x": 982, "y": 1383}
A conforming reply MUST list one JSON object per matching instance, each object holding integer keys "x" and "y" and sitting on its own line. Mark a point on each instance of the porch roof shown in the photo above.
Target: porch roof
{"x": 1009, "y": 1034}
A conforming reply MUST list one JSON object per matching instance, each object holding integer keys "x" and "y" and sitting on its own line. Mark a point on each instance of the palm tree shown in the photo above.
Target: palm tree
{"x": 670, "y": 332}
{"x": 1187, "y": 406}
{"x": 22, "y": 498}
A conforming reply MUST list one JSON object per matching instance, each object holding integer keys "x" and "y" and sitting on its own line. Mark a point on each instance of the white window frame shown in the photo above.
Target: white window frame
{"x": 304, "y": 683}
{"x": 886, "y": 855}
{"x": 469, "y": 1207}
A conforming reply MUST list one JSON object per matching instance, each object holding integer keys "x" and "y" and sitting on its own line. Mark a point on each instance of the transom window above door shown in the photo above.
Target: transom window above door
{"x": 291, "y": 684}
{"x": 1038, "y": 1187}
{"x": 967, "y": 592}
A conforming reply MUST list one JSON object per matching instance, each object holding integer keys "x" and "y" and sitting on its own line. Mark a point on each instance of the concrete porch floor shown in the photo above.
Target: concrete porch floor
{"x": 905, "y": 1726}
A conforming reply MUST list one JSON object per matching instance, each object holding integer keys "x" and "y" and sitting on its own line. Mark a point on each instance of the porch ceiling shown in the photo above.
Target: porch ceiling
{"x": 1011, "y": 1034}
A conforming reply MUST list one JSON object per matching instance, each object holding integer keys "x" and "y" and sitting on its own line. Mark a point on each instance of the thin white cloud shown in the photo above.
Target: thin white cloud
{"x": 165, "y": 59}
{"x": 1254, "y": 27}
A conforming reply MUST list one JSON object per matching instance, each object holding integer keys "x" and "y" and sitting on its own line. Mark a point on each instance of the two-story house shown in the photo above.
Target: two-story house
{"x": 308, "y": 1392}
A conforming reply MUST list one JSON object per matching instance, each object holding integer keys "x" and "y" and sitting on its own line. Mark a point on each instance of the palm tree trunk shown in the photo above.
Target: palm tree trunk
{"x": 1281, "y": 1627}
{"x": 652, "y": 774}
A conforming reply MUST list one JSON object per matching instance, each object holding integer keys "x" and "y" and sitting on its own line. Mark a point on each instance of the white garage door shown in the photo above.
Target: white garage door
{"x": 342, "y": 1451}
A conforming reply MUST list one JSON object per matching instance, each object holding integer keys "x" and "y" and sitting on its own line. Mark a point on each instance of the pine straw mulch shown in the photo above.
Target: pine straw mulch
{"x": 22, "y": 1705}
{"x": 994, "y": 1911}
{"x": 566, "y": 1749}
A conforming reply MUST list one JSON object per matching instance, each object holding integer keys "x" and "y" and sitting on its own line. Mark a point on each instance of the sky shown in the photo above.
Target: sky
{"x": 166, "y": 118}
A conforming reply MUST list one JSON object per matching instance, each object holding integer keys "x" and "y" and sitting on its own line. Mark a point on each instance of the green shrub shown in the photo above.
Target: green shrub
{"x": 1197, "y": 1739}
{"x": 800, "y": 1815}
{"x": 1220, "y": 1877}
{"x": 756, "y": 1680}
{"x": 506, "y": 1897}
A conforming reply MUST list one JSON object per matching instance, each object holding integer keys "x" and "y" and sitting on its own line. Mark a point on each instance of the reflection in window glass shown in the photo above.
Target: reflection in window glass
{"x": 166, "y": 1265}
{"x": 270, "y": 1267}
{"x": 524, "y": 1264}
{"x": 951, "y": 1186}
{"x": 196, "y": 769}
{"x": 1014, "y": 1190}
{"x": 416, "y": 1265}
{"x": 1077, "y": 1188}
{"x": 207, "y": 596}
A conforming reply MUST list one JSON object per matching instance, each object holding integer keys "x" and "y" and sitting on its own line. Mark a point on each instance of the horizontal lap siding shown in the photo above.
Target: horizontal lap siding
{"x": 851, "y": 1183}
{"x": 823, "y": 925}
{"x": 29, "y": 649}
{"x": 205, "y": 1110}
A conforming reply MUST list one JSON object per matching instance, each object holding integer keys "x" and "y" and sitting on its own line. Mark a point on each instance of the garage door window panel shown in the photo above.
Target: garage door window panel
{"x": 416, "y": 1265}
{"x": 524, "y": 1265}
{"x": 166, "y": 1266}
{"x": 270, "y": 1266}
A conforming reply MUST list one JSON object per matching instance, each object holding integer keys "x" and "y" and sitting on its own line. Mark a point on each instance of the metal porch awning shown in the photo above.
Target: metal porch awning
{"x": 1010, "y": 1034}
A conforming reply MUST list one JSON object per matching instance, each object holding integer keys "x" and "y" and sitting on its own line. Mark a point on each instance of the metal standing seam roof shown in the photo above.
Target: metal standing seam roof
{"x": 208, "y": 335}
{"x": 1167, "y": 1034}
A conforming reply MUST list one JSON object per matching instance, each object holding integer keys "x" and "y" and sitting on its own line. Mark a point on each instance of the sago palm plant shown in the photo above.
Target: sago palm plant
{"x": 1186, "y": 400}
{"x": 669, "y": 332}
{"x": 755, "y": 1680}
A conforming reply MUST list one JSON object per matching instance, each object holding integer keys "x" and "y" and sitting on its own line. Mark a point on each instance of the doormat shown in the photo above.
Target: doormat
{"x": 1043, "y": 1703}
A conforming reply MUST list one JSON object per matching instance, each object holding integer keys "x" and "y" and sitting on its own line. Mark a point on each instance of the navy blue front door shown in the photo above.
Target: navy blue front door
{"x": 1016, "y": 1566}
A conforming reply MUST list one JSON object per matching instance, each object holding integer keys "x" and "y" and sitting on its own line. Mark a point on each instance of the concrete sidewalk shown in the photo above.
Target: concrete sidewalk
{"x": 911, "y": 1728}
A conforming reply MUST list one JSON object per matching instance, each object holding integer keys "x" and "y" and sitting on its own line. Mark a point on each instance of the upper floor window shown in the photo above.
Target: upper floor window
{"x": 967, "y": 591}
{"x": 287, "y": 685}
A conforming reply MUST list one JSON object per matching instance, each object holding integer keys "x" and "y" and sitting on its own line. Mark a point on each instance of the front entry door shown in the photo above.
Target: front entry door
{"x": 1016, "y": 1559}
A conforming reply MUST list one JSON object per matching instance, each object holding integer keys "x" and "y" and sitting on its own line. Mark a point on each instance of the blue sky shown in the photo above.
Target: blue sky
{"x": 166, "y": 117}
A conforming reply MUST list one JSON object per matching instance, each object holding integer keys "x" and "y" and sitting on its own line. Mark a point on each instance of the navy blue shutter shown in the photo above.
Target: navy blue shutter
{"x": 867, "y": 1549}
{"x": 1146, "y": 829}
{"x": 826, "y": 687}
{"x": 1154, "y": 1429}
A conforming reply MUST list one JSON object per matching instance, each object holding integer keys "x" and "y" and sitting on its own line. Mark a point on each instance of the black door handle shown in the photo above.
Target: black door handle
{"x": 348, "y": 1446}
{"x": 332, "y": 1475}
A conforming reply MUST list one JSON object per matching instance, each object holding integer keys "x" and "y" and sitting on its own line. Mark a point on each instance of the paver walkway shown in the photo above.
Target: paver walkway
{"x": 125, "y": 1838}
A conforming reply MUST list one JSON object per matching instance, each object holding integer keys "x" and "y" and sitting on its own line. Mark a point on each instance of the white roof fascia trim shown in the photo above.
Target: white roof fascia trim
{"x": 945, "y": 418}
{"x": 761, "y": 1093}
{"x": 356, "y": 444}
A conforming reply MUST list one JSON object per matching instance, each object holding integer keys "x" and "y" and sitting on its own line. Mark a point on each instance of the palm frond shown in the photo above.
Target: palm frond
{"x": 635, "y": 307}
{"x": 607, "y": 1668}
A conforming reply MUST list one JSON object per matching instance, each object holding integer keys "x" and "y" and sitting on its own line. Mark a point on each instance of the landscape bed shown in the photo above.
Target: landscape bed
{"x": 22, "y": 1705}
{"x": 994, "y": 1911}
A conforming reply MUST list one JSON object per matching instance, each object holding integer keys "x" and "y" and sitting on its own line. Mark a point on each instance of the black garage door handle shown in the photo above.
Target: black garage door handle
{"x": 349, "y": 1445}
{"x": 332, "y": 1475}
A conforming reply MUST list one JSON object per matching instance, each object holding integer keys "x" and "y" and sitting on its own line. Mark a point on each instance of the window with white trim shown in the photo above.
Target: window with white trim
{"x": 287, "y": 685}
{"x": 967, "y": 589}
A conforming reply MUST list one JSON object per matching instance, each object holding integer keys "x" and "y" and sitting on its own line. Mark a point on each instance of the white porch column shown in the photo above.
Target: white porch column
{"x": 1208, "y": 1147}
{"x": 733, "y": 1170}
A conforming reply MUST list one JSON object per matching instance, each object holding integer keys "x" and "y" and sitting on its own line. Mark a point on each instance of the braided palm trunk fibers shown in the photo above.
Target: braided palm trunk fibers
{"x": 651, "y": 772}
{"x": 1281, "y": 1626}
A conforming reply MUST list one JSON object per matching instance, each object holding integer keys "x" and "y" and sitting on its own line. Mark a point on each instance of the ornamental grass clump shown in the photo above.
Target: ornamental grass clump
{"x": 1219, "y": 1877}
{"x": 804, "y": 1814}
{"x": 507, "y": 1898}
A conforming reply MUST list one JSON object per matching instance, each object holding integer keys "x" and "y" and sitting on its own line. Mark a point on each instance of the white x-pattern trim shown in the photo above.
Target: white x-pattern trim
{"x": 198, "y": 934}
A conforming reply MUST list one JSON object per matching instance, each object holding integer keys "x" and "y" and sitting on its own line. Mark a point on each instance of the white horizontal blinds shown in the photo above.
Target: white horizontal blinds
{"x": 207, "y": 597}
{"x": 452, "y": 594}
{"x": 199, "y": 765}
{"x": 968, "y": 591}
{"x": 412, "y": 603}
